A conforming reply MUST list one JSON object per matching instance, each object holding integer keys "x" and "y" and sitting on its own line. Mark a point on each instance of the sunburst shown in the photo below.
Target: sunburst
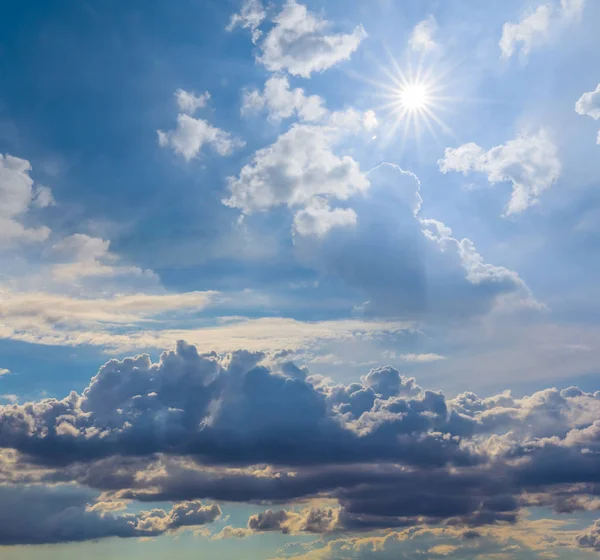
{"x": 414, "y": 101}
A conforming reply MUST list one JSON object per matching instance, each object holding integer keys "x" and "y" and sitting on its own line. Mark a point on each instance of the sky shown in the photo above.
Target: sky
{"x": 305, "y": 279}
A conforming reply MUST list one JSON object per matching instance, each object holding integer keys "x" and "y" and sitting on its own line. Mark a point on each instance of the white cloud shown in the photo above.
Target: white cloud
{"x": 421, "y": 38}
{"x": 530, "y": 162}
{"x": 589, "y": 104}
{"x": 17, "y": 196}
{"x": 250, "y": 17}
{"x": 407, "y": 266}
{"x": 41, "y": 313}
{"x": 188, "y": 102}
{"x": 283, "y": 102}
{"x": 299, "y": 166}
{"x": 191, "y": 135}
{"x": 477, "y": 271}
{"x": 86, "y": 256}
{"x": 299, "y": 44}
{"x": 4, "y": 371}
{"x": 96, "y": 327}
{"x": 318, "y": 218}
{"x": 538, "y": 27}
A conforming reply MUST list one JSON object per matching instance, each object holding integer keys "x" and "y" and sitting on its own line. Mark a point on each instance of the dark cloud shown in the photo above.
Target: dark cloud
{"x": 202, "y": 426}
{"x": 43, "y": 515}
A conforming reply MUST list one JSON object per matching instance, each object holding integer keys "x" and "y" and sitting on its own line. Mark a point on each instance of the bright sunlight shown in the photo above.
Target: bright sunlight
{"x": 414, "y": 97}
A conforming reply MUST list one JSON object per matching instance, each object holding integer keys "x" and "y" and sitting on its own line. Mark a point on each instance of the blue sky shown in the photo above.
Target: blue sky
{"x": 323, "y": 200}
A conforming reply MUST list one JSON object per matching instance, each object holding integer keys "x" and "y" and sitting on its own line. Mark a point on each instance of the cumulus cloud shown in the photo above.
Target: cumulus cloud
{"x": 192, "y": 134}
{"x": 4, "y": 371}
{"x": 226, "y": 428}
{"x": 300, "y": 165}
{"x": 300, "y": 44}
{"x": 250, "y": 17}
{"x": 18, "y": 195}
{"x": 590, "y": 538}
{"x": 309, "y": 520}
{"x": 405, "y": 265}
{"x": 530, "y": 162}
{"x": 189, "y": 102}
{"x": 422, "y": 36}
{"x": 318, "y": 218}
{"x": 47, "y": 515}
{"x": 537, "y": 28}
{"x": 589, "y": 104}
{"x": 282, "y": 102}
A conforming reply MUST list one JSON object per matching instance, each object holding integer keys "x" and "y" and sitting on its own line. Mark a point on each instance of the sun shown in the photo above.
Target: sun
{"x": 414, "y": 97}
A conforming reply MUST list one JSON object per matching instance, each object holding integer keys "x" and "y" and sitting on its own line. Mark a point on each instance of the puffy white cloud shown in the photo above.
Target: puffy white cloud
{"x": 191, "y": 135}
{"x": 299, "y": 166}
{"x": 422, "y": 36}
{"x": 318, "y": 218}
{"x": 283, "y": 102}
{"x": 188, "y": 102}
{"x": 18, "y": 195}
{"x": 530, "y": 162}
{"x": 589, "y": 104}
{"x": 537, "y": 27}
{"x": 299, "y": 43}
{"x": 250, "y": 17}
{"x": 4, "y": 371}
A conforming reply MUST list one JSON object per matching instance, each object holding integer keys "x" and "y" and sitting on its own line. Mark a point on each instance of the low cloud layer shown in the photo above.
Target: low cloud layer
{"x": 230, "y": 429}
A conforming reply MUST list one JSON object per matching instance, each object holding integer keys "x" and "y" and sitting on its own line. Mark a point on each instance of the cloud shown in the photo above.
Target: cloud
{"x": 42, "y": 313}
{"x": 589, "y": 104}
{"x": 283, "y": 102}
{"x": 530, "y": 162}
{"x": 537, "y": 28}
{"x": 299, "y": 44}
{"x": 188, "y": 102}
{"x": 191, "y": 135}
{"x": 318, "y": 218}
{"x": 86, "y": 257}
{"x": 226, "y": 428}
{"x": 422, "y": 36}
{"x": 404, "y": 265}
{"x": 299, "y": 166}
{"x": 19, "y": 195}
{"x": 590, "y": 538}
{"x": 309, "y": 520}
{"x": 4, "y": 371}
{"x": 45, "y": 515}
{"x": 250, "y": 17}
